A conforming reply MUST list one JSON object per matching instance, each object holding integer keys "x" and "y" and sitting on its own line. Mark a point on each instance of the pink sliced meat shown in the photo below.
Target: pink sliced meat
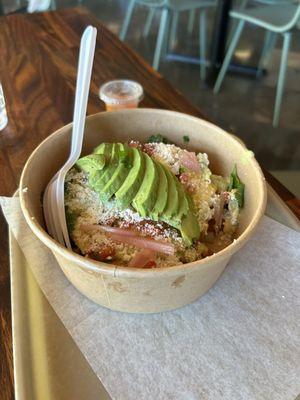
{"x": 145, "y": 243}
{"x": 189, "y": 160}
{"x": 133, "y": 238}
{"x": 118, "y": 231}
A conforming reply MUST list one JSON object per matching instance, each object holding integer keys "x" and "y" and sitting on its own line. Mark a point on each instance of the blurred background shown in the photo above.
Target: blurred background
{"x": 245, "y": 102}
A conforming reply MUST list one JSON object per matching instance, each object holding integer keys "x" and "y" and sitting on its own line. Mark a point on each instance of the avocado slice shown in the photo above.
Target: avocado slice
{"x": 105, "y": 150}
{"x": 179, "y": 210}
{"x": 183, "y": 207}
{"x": 119, "y": 175}
{"x": 91, "y": 163}
{"x": 162, "y": 192}
{"x": 171, "y": 208}
{"x": 101, "y": 148}
{"x": 108, "y": 171}
{"x": 189, "y": 227}
{"x": 146, "y": 196}
{"x": 133, "y": 181}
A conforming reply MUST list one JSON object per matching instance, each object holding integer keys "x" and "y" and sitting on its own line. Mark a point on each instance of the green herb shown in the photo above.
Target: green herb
{"x": 236, "y": 184}
{"x": 182, "y": 169}
{"x": 122, "y": 155}
{"x": 186, "y": 139}
{"x": 71, "y": 220}
{"x": 158, "y": 139}
{"x": 125, "y": 159}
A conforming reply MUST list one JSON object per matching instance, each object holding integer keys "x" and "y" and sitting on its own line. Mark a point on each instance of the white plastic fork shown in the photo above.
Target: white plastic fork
{"x": 53, "y": 200}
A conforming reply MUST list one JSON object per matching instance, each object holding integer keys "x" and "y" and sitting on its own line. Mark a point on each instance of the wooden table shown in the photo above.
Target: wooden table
{"x": 38, "y": 70}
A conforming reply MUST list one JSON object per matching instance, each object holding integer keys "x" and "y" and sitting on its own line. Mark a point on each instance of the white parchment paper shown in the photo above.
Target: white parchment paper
{"x": 239, "y": 341}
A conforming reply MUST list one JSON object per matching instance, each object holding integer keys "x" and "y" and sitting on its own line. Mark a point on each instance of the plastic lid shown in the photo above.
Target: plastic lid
{"x": 121, "y": 92}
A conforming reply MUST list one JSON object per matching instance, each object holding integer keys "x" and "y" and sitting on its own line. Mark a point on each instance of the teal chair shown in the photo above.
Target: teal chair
{"x": 167, "y": 7}
{"x": 149, "y": 20}
{"x": 277, "y": 19}
{"x": 270, "y": 37}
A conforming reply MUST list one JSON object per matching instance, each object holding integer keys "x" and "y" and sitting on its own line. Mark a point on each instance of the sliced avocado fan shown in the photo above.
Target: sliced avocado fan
{"x": 137, "y": 180}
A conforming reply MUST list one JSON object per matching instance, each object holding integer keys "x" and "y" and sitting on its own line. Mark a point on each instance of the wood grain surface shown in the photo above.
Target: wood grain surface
{"x": 38, "y": 71}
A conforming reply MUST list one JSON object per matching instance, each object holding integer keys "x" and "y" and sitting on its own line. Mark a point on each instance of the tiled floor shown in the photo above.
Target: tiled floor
{"x": 244, "y": 105}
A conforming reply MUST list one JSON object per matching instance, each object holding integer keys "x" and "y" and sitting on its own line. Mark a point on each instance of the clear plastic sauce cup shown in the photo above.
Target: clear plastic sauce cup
{"x": 121, "y": 94}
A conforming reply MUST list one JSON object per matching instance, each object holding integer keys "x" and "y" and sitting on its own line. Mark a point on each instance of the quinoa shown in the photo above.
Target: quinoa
{"x": 86, "y": 212}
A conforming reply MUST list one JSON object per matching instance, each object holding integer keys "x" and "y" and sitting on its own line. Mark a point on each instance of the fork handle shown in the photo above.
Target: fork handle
{"x": 85, "y": 63}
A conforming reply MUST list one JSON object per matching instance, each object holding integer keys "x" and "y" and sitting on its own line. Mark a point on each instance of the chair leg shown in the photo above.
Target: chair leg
{"x": 160, "y": 38}
{"x": 202, "y": 42}
{"x": 191, "y": 21}
{"x": 174, "y": 25}
{"x": 233, "y": 23}
{"x": 127, "y": 20}
{"x": 281, "y": 78}
{"x": 271, "y": 48}
{"x": 269, "y": 43}
{"x": 166, "y": 39}
{"x": 228, "y": 56}
{"x": 148, "y": 23}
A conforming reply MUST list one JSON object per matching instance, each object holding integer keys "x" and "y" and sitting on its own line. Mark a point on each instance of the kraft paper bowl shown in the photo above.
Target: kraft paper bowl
{"x": 133, "y": 289}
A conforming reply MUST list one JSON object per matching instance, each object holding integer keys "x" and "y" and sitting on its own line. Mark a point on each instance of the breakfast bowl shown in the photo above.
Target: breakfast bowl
{"x": 140, "y": 290}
